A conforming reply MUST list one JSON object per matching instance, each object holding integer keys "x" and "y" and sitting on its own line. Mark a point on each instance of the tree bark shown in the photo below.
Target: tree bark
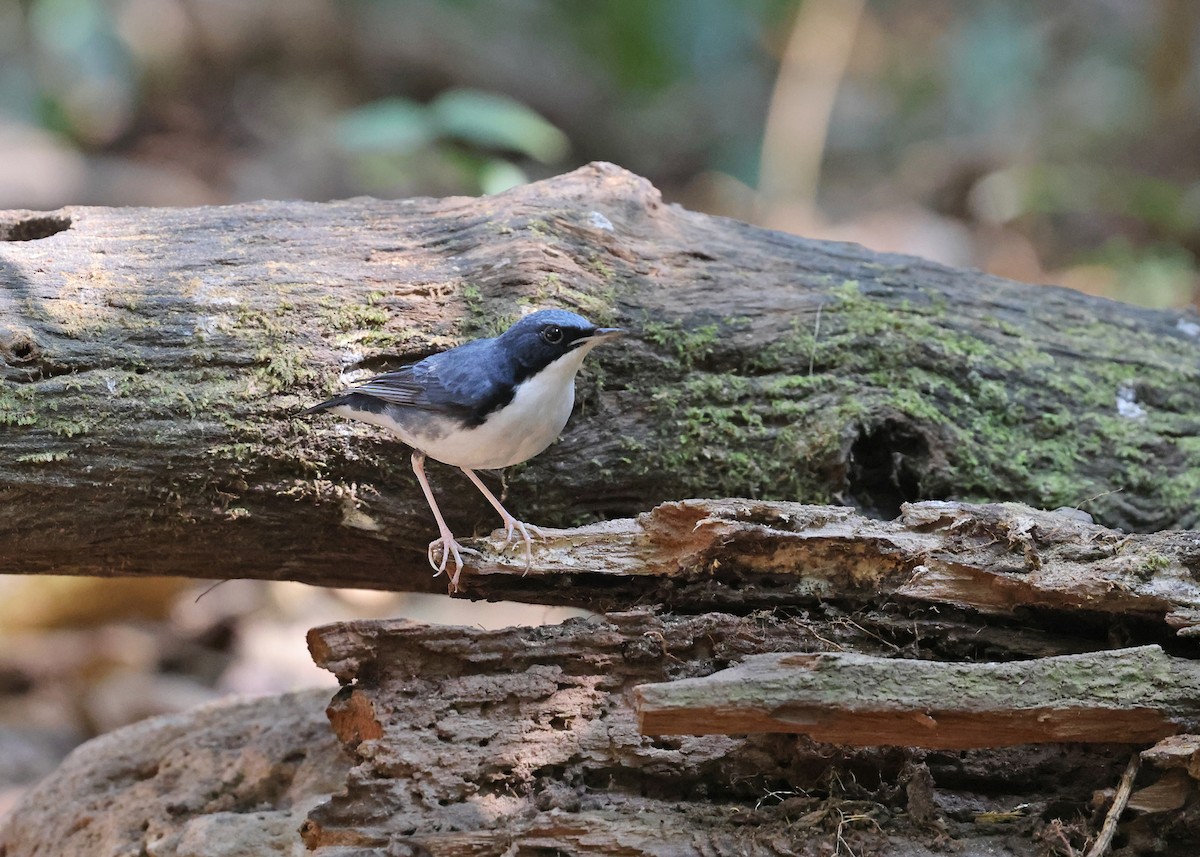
{"x": 235, "y": 777}
{"x": 524, "y": 739}
{"x": 154, "y": 361}
{"x": 527, "y": 738}
{"x": 531, "y": 738}
{"x": 457, "y": 740}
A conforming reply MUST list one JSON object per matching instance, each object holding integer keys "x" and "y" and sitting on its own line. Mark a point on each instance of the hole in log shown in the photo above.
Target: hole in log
{"x": 18, "y": 348}
{"x": 886, "y": 465}
{"x": 23, "y": 350}
{"x": 33, "y": 228}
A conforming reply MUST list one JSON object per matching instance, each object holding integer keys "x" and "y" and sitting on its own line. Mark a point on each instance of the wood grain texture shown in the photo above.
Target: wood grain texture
{"x": 153, "y": 360}
{"x": 1002, "y": 559}
{"x": 1123, "y": 696}
{"x": 473, "y": 742}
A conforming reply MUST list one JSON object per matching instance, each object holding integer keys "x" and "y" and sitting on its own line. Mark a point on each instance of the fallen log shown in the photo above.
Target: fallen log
{"x": 153, "y": 361}
{"x": 456, "y": 739}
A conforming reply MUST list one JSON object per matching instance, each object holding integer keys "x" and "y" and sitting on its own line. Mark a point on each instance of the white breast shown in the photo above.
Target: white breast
{"x": 520, "y": 430}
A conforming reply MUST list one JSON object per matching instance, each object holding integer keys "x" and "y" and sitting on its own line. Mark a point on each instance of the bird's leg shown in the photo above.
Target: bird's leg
{"x": 510, "y": 523}
{"x": 450, "y": 547}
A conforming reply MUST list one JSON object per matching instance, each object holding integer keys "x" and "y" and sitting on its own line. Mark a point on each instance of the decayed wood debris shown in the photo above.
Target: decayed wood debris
{"x": 442, "y": 764}
{"x": 528, "y": 738}
{"x": 1004, "y": 560}
{"x": 231, "y": 778}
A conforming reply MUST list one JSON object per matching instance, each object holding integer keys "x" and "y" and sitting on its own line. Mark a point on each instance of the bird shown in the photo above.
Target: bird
{"x": 483, "y": 405}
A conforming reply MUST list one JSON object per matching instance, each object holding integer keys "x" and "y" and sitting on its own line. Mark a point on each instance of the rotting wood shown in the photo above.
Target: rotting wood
{"x": 1001, "y": 559}
{"x": 1176, "y": 752}
{"x": 528, "y": 738}
{"x": 461, "y": 740}
{"x": 153, "y": 361}
{"x": 232, "y": 777}
{"x": 1122, "y": 696}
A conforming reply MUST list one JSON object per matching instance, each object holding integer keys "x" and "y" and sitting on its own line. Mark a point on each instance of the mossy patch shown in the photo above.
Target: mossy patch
{"x": 1009, "y": 420}
{"x": 17, "y": 404}
{"x": 337, "y": 315}
{"x": 687, "y": 346}
{"x": 725, "y": 432}
{"x": 45, "y": 457}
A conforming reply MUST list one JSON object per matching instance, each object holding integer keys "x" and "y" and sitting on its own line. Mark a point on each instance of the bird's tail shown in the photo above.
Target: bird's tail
{"x": 324, "y": 406}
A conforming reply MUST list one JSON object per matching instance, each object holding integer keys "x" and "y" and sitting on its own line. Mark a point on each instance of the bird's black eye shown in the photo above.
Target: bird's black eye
{"x": 552, "y": 334}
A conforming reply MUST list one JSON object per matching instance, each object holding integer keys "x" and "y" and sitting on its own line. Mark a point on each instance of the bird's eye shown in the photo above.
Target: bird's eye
{"x": 552, "y": 334}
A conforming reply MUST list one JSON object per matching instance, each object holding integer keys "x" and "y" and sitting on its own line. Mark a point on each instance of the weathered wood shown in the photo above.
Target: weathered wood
{"x": 1120, "y": 801}
{"x": 1122, "y": 696}
{"x": 1177, "y": 751}
{"x": 459, "y": 741}
{"x": 235, "y": 777}
{"x": 470, "y": 741}
{"x": 153, "y": 361}
{"x": 1005, "y": 560}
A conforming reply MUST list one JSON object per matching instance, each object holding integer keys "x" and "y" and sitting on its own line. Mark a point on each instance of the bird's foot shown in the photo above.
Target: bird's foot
{"x": 449, "y": 549}
{"x": 511, "y": 526}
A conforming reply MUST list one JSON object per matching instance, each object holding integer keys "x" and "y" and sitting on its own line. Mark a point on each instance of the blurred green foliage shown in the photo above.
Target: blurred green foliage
{"x": 383, "y": 136}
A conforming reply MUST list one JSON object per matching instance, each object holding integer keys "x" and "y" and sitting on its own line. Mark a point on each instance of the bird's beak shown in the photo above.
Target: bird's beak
{"x": 604, "y": 334}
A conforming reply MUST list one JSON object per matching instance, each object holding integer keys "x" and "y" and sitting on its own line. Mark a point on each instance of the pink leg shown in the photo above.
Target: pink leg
{"x": 510, "y": 523}
{"x": 450, "y": 547}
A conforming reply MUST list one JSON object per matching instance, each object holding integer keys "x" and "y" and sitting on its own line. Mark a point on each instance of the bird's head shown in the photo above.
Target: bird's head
{"x": 542, "y": 337}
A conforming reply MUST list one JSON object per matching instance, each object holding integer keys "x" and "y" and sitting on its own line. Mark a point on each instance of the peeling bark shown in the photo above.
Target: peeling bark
{"x": 530, "y": 737}
{"x": 527, "y": 737}
{"x": 1003, "y": 560}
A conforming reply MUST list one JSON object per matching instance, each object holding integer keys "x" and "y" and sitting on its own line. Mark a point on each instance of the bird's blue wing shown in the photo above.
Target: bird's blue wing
{"x": 405, "y": 386}
{"x": 467, "y": 382}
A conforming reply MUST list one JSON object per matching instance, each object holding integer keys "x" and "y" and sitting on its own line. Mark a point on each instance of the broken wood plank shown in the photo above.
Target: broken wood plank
{"x": 1120, "y": 696}
{"x": 527, "y": 736}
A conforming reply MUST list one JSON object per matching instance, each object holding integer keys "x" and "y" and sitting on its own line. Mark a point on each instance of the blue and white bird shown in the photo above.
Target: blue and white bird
{"x": 486, "y": 404}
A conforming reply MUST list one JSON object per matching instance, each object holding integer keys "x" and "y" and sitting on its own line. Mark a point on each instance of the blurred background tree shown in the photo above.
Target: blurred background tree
{"x": 1050, "y": 142}
{"x": 1047, "y": 142}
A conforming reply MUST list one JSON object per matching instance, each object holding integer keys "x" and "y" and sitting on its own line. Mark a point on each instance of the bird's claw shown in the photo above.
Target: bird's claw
{"x": 449, "y": 548}
{"x": 513, "y": 525}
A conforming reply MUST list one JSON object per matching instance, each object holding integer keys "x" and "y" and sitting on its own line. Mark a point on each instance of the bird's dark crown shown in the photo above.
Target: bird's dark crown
{"x": 542, "y": 337}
